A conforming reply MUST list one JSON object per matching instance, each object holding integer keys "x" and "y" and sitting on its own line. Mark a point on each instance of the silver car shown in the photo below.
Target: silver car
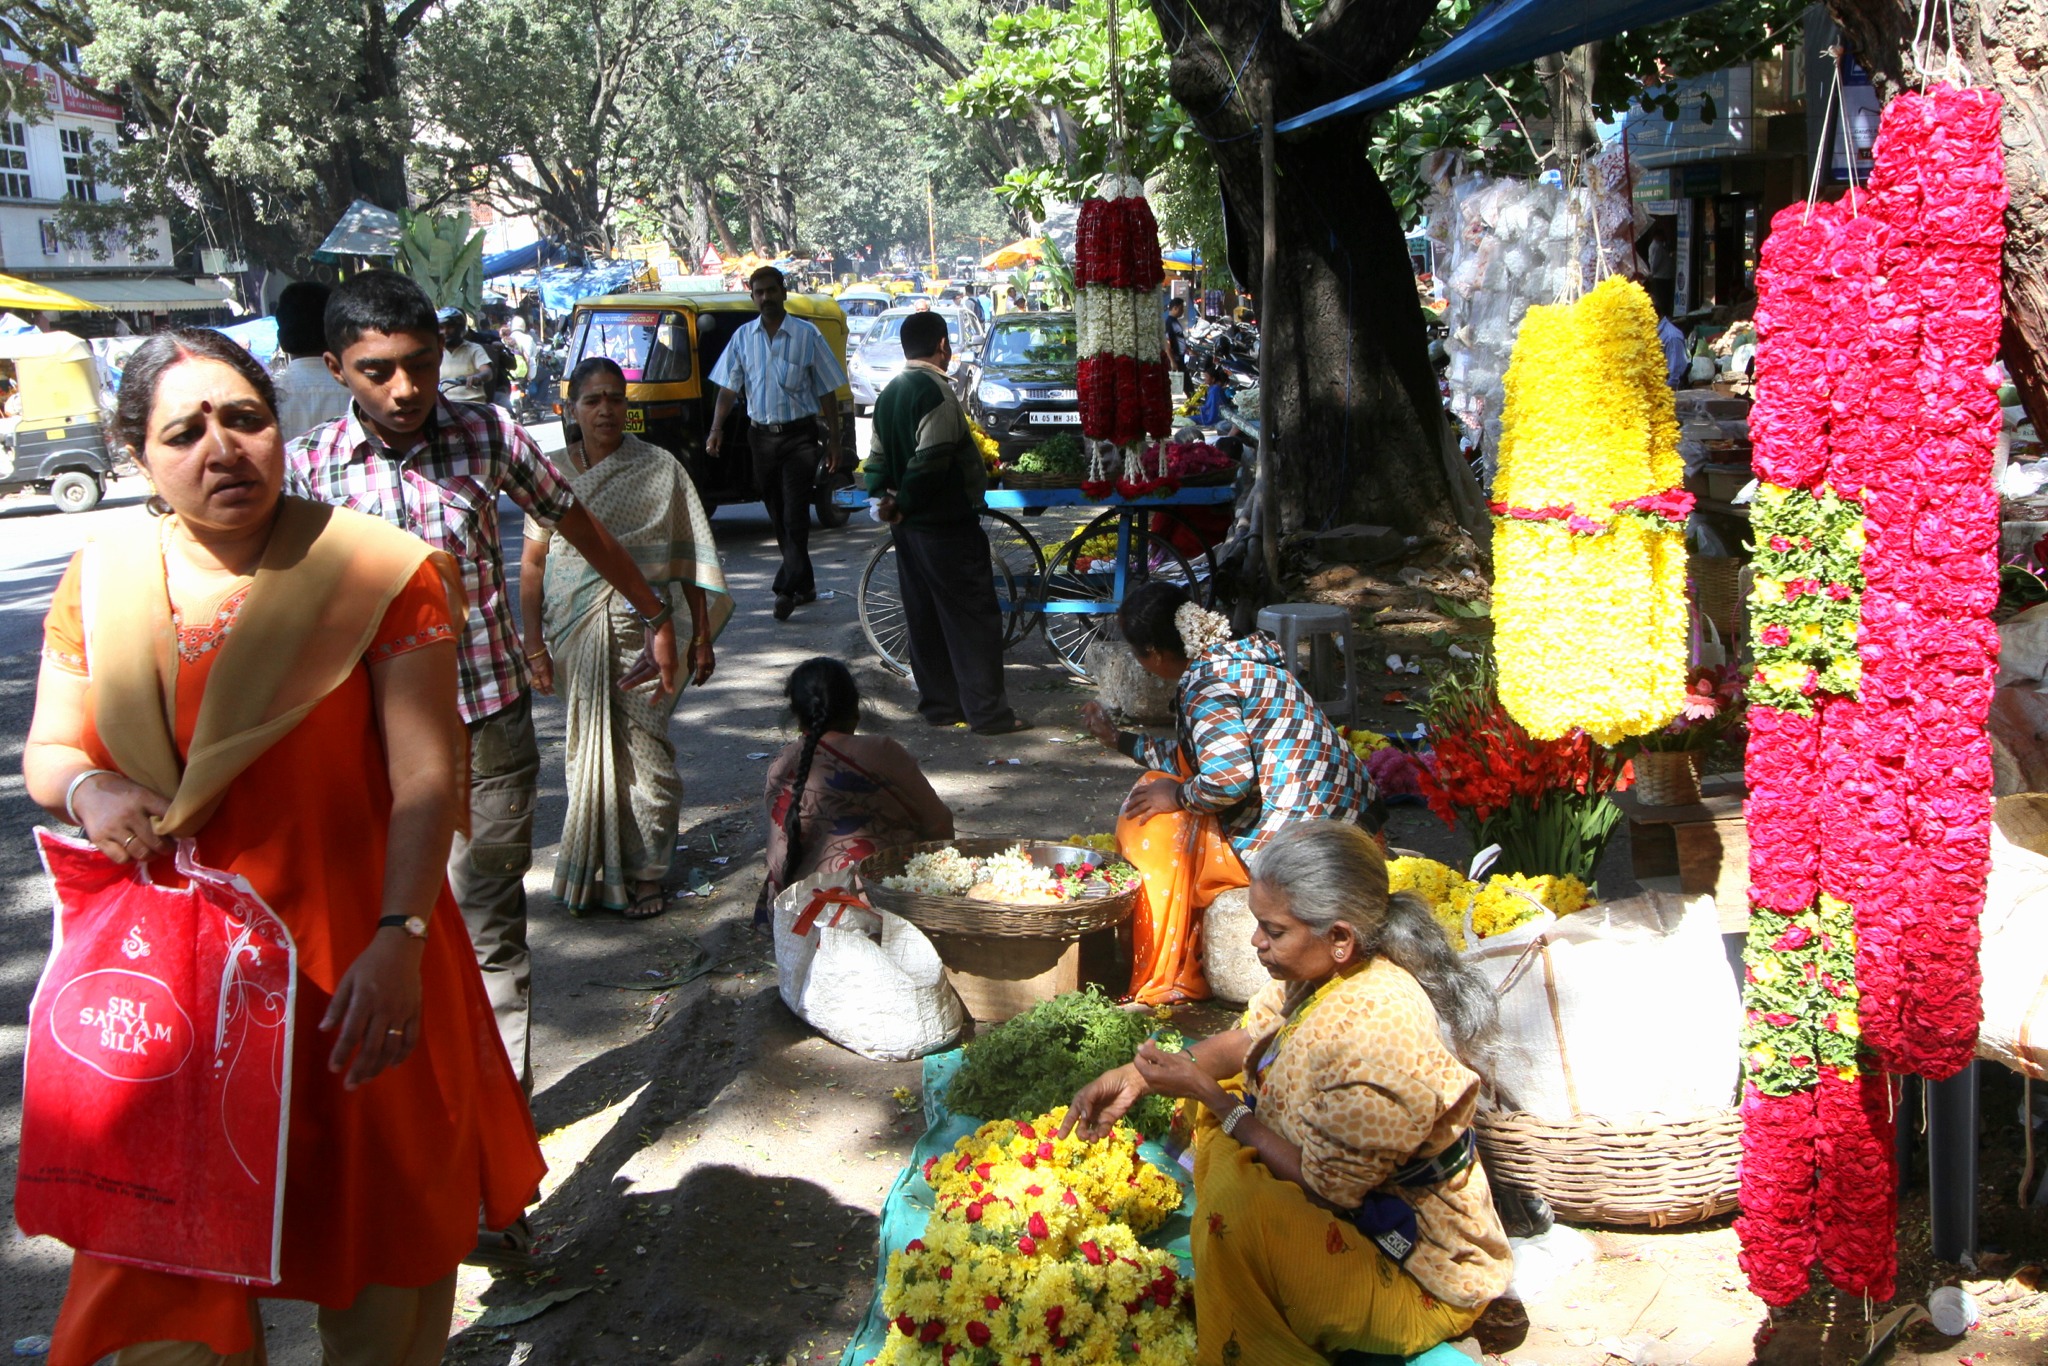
{"x": 879, "y": 357}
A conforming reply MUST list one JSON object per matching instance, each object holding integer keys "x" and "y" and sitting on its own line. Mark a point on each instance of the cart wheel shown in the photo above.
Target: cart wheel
{"x": 1079, "y": 604}
{"x": 1020, "y": 574}
{"x": 879, "y": 601}
{"x": 830, "y": 514}
{"x": 76, "y": 491}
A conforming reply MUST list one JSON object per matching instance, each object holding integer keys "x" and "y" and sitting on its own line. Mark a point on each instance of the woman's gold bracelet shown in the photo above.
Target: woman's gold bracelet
{"x": 532, "y": 655}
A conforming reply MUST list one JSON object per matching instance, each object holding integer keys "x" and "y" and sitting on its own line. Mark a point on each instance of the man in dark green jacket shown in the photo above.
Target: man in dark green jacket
{"x": 924, "y": 467}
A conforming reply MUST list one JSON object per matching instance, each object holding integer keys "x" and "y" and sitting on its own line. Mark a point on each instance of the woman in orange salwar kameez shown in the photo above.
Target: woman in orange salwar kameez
{"x": 243, "y": 672}
{"x": 1252, "y": 753}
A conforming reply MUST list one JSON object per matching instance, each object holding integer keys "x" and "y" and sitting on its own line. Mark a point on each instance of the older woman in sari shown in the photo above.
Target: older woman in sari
{"x": 625, "y": 795}
{"x": 1252, "y": 753}
{"x": 275, "y": 680}
{"x": 1339, "y": 1201}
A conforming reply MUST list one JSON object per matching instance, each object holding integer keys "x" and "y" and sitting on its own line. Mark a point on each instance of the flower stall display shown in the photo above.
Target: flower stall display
{"x": 1120, "y": 324}
{"x": 1032, "y": 1255}
{"x": 1009, "y": 878}
{"x": 1544, "y": 802}
{"x": 1868, "y": 763}
{"x": 1034, "y": 1061}
{"x": 1490, "y": 907}
{"x": 1589, "y": 607}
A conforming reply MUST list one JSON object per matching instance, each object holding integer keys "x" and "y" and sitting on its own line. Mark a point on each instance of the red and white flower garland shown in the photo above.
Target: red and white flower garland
{"x": 1877, "y": 330}
{"x": 1119, "y": 322}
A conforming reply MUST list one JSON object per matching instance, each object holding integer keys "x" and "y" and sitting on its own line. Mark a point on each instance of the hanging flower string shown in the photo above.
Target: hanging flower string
{"x": 1121, "y": 333}
{"x": 1868, "y": 765}
{"x": 1589, "y": 540}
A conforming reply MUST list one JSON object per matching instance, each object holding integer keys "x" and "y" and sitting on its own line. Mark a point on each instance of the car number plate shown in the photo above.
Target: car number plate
{"x": 1056, "y": 419}
{"x": 636, "y": 420}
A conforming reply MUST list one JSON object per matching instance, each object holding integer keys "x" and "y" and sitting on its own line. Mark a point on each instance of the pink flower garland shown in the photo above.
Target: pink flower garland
{"x": 1876, "y": 334}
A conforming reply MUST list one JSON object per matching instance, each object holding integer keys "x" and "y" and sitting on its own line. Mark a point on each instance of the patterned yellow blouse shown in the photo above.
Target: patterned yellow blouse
{"x": 1363, "y": 1086}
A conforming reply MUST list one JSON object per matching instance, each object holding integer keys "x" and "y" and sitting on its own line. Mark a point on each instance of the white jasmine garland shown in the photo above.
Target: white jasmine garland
{"x": 1200, "y": 629}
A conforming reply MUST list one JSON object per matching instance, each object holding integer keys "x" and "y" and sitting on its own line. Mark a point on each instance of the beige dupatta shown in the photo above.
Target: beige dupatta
{"x": 325, "y": 581}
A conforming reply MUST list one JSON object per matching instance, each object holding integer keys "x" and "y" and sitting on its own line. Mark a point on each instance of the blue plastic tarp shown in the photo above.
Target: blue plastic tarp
{"x": 1506, "y": 34}
{"x": 258, "y": 337}
{"x": 521, "y": 258}
{"x": 561, "y": 286}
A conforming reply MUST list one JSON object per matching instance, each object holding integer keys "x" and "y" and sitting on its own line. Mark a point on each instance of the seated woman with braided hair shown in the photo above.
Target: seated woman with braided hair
{"x": 834, "y": 797}
{"x": 1340, "y": 1205}
{"x": 1252, "y": 753}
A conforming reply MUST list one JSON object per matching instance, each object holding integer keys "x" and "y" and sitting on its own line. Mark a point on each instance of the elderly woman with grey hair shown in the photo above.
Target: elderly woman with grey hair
{"x": 1331, "y": 1130}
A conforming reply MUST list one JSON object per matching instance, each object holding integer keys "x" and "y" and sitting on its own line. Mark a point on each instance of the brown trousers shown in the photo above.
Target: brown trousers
{"x": 386, "y": 1326}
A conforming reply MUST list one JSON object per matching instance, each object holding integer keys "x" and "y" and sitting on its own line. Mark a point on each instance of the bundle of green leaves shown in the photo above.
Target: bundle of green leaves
{"x": 1027, "y": 1065}
{"x": 1059, "y": 455}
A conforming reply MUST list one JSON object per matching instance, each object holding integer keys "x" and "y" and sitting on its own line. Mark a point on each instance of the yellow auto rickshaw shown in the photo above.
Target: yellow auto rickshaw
{"x": 667, "y": 345}
{"x": 52, "y": 435}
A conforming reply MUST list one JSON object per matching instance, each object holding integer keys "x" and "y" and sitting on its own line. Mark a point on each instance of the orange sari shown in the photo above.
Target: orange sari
{"x": 383, "y": 1184}
{"x": 1184, "y": 862}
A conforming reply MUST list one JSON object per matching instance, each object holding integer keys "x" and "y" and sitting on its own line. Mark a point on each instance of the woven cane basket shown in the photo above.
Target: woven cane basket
{"x": 1716, "y": 589}
{"x": 1594, "y": 1172}
{"x": 1666, "y": 778}
{"x": 958, "y": 915}
{"x": 1017, "y": 479}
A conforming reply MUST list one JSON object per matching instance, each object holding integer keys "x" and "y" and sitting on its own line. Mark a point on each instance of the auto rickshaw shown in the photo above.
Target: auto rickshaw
{"x": 667, "y": 345}
{"x": 55, "y": 440}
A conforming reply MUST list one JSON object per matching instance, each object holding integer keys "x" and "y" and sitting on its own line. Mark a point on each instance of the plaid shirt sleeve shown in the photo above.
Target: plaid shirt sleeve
{"x": 1226, "y": 769}
{"x": 531, "y": 479}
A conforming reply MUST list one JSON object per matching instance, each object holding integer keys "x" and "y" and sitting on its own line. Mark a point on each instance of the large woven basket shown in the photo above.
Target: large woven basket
{"x": 1666, "y": 777}
{"x": 958, "y": 915}
{"x": 1716, "y": 590}
{"x": 1018, "y": 479}
{"x": 1595, "y": 1172}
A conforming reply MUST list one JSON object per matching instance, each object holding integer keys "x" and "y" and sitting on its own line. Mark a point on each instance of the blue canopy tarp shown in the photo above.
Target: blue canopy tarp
{"x": 521, "y": 258}
{"x": 258, "y": 337}
{"x": 561, "y": 286}
{"x": 1503, "y": 35}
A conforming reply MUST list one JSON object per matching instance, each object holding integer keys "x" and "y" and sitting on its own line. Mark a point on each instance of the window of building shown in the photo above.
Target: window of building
{"x": 69, "y": 53}
{"x": 14, "y": 160}
{"x": 78, "y": 181}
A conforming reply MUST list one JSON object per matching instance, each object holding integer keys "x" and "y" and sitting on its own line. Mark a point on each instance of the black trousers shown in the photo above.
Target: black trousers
{"x": 956, "y": 626}
{"x": 786, "y": 473}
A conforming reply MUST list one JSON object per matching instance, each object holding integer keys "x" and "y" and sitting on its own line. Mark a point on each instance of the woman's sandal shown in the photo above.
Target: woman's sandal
{"x": 647, "y": 905}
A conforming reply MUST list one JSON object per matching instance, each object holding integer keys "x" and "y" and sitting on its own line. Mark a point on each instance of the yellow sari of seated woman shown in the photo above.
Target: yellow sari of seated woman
{"x": 1284, "y": 1282}
{"x": 1185, "y": 862}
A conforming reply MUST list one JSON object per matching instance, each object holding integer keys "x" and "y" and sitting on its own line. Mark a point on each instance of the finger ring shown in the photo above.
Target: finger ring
{"x": 400, "y": 1033}
{"x": 128, "y": 840}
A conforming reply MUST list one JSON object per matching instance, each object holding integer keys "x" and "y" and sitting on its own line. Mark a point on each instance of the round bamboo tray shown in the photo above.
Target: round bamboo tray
{"x": 1591, "y": 1171}
{"x": 1018, "y": 479}
{"x": 1666, "y": 778}
{"x": 958, "y": 915}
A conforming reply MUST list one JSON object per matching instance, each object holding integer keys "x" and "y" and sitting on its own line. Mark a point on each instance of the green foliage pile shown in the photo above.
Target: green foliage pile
{"x": 1059, "y": 455}
{"x": 1026, "y": 1066}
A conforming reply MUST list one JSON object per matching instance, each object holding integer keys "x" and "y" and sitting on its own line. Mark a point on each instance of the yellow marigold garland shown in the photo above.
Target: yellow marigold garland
{"x": 1589, "y": 541}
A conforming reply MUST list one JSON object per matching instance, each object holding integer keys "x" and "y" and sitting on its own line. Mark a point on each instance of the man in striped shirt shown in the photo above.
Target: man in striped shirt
{"x": 787, "y": 372}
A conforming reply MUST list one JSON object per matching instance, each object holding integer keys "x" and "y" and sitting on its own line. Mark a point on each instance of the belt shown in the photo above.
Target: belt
{"x": 778, "y": 428}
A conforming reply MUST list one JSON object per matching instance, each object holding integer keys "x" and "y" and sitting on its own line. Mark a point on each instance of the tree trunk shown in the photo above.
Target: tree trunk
{"x": 728, "y": 245}
{"x": 2000, "y": 43}
{"x": 1568, "y": 78}
{"x": 1358, "y": 421}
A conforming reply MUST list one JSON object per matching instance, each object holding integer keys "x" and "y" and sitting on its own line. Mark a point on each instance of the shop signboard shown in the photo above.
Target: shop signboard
{"x": 1714, "y": 121}
{"x": 1653, "y": 187}
{"x": 1681, "y": 292}
{"x": 1827, "y": 101}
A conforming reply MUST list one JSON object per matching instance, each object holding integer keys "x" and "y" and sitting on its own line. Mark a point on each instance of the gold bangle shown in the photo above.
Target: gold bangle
{"x": 532, "y": 655}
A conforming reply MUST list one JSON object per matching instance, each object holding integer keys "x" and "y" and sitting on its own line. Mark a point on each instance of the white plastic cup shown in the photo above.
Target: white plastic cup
{"x": 1953, "y": 1310}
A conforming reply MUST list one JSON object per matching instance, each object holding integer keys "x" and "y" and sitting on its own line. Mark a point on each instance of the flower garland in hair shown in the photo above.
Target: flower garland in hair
{"x": 1589, "y": 523}
{"x": 1120, "y": 328}
{"x": 1868, "y": 765}
{"x": 1201, "y": 630}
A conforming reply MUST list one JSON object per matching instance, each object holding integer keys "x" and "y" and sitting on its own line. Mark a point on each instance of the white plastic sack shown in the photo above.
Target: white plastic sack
{"x": 1228, "y": 959}
{"x": 2023, "y": 647}
{"x": 2014, "y": 958}
{"x": 1647, "y": 1017}
{"x": 865, "y": 979}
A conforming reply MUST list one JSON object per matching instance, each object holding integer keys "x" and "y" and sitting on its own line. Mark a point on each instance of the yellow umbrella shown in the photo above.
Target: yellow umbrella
{"x": 1024, "y": 249}
{"x": 16, "y": 293}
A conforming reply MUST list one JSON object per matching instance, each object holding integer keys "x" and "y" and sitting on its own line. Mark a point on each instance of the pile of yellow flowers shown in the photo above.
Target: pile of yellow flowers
{"x": 986, "y": 444}
{"x": 1032, "y": 1255}
{"x": 1363, "y": 742}
{"x": 1101, "y": 546}
{"x": 1192, "y": 404}
{"x": 1589, "y": 527}
{"x": 1497, "y": 905}
{"x": 1104, "y": 844}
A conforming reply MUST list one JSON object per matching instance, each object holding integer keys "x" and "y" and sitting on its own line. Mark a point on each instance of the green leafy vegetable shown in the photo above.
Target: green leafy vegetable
{"x": 1060, "y": 455}
{"x": 1025, "y": 1066}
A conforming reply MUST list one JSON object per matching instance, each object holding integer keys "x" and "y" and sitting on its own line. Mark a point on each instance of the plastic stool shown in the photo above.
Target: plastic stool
{"x": 1322, "y": 624}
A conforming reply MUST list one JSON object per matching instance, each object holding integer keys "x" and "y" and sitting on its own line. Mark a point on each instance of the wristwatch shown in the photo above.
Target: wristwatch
{"x": 414, "y": 925}
{"x": 660, "y": 618}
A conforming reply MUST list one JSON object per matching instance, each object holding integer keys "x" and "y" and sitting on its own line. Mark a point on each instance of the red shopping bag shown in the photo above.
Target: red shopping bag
{"x": 159, "y": 1069}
